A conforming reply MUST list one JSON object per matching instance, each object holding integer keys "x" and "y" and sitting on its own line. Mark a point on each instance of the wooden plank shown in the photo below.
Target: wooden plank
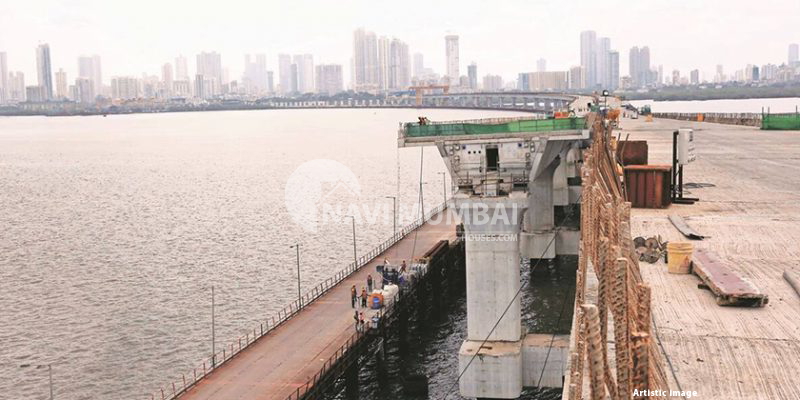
{"x": 729, "y": 288}
{"x": 684, "y": 228}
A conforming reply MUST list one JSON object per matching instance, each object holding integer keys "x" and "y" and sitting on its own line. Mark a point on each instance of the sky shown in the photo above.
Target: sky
{"x": 502, "y": 37}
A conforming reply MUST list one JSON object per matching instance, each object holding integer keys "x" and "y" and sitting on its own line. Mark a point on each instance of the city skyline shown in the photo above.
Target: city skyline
{"x": 94, "y": 28}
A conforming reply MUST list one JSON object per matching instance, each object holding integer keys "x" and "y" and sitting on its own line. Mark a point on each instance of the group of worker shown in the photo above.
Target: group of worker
{"x": 357, "y": 300}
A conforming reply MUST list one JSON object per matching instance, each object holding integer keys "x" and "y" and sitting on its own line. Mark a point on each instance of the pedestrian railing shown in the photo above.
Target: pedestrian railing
{"x": 176, "y": 388}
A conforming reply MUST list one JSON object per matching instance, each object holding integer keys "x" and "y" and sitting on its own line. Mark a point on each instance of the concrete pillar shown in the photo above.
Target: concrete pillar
{"x": 538, "y": 239}
{"x": 491, "y": 227}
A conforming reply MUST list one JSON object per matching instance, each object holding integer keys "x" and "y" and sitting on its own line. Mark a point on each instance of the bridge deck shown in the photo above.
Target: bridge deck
{"x": 751, "y": 217}
{"x": 283, "y": 360}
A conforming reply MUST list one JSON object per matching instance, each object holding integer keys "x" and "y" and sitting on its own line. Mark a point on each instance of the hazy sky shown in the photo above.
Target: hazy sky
{"x": 503, "y": 37}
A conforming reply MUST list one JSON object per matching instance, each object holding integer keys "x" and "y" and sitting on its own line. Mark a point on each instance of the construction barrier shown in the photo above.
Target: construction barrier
{"x": 480, "y": 127}
{"x": 781, "y": 122}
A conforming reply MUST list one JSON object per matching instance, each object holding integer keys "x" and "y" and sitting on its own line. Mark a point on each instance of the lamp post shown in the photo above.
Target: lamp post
{"x": 355, "y": 257}
{"x": 394, "y": 212}
{"x": 444, "y": 187}
{"x": 297, "y": 246}
{"x": 213, "y": 332}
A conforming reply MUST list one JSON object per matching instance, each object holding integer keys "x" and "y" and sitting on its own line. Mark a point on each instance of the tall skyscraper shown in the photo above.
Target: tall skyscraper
{"x": 576, "y": 79}
{"x": 254, "y": 79}
{"x": 694, "y": 77}
{"x": 44, "y": 71}
{"x": 4, "y": 89}
{"x": 366, "y": 76}
{"x": 329, "y": 79}
{"x": 541, "y": 65}
{"x": 305, "y": 72}
{"x": 384, "y": 52}
{"x": 589, "y": 57}
{"x": 419, "y": 65}
{"x": 472, "y": 74}
{"x": 285, "y": 73}
{"x": 209, "y": 65}
{"x": 603, "y": 68}
{"x": 61, "y": 84}
{"x": 89, "y": 68}
{"x": 167, "y": 79}
{"x": 794, "y": 54}
{"x": 451, "y": 56}
{"x": 181, "y": 69}
{"x": 613, "y": 70}
{"x": 639, "y": 66}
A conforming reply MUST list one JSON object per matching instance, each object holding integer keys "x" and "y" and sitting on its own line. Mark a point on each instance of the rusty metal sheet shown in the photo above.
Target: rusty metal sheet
{"x": 684, "y": 228}
{"x": 647, "y": 186}
{"x": 728, "y": 287}
{"x": 632, "y": 152}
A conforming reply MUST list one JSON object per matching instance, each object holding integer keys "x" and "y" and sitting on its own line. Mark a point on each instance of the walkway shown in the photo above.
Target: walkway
{"x": 286, "y": 358}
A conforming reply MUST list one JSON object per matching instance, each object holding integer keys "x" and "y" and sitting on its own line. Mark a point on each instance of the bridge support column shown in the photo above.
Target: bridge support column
{"x": 538, "y": 240}
{"x": 493, "y": 278}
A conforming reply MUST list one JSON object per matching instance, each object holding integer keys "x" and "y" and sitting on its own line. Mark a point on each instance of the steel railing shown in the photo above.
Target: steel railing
{"x": 176, "y": 389}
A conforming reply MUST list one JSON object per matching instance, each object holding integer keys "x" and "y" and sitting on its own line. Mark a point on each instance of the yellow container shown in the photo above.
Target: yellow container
{"x": 679, "y": 255}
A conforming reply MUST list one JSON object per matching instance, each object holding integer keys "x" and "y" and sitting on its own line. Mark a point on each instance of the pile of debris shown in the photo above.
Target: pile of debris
{"x": 651, "y": 249}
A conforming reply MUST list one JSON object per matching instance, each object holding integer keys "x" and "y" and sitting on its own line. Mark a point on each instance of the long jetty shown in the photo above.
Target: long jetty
{"x": 285, "y": 357}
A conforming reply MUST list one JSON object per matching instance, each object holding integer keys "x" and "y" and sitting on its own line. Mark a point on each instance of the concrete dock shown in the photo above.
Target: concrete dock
{"x": 276, "y": 365}
{"x": 751, "y": 213}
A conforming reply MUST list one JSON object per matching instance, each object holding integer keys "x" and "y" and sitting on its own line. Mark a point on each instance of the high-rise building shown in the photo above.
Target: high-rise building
{"x": 124, "y": 87}
{"x": 255, "y": 79}
{"x": 603, "y": 68}
{"x": 285, "y": 73}
{"x": 209, "y": 66}
{"x": 16, "y": 86}
{"x": 694, "y": 77}
{"x": 329, "y": 79}
{"x": 383, "y": 62}
{"x": 541, "y": 81}
{"x": 84, "y": 91}
{"x": 794, "y": 54}
{"x": 589, "y": 58}
{"x": 305, "y": 72}
{"x": 492, "y": 83}
{"x": 366, "y": 77}
{"x": 472, "y": 73}
{"x": 419, "y": 65}
{"x": 61, "y": 84}
{"x": 167, "y": 80}
{"x": 44, "y": 71}
{"x": 639, "y": 66}
{"x": 452, "y": 59}
{"x": 89, "y": 67}
{"x": 613, "y": 70}
{"x": 676, "y": 77}
{"x": 393, "y": 64}
{"x": 4, "y": 89}
{"x": 181, "y": 69}
{"x": 576, "y": 79}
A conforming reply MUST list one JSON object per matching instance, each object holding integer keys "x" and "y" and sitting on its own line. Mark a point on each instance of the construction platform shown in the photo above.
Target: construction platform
{"x": 749, "y": 190}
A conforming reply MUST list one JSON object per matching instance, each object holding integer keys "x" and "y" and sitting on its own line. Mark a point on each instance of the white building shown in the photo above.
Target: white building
{"x": 89, "y": 68}
{"x": 209, "y": 66}
{"x": 3, "y": 78}
{"x": 61, "y": 84}
{"x": 366, "y": 76}
{"x": 124, "y": 87}
{"x": 452, "y": 59}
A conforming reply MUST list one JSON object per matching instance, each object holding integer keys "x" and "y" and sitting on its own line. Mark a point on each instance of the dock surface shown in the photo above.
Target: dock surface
{"x": 286, "y": 358}
{"x": 751, "y": 216}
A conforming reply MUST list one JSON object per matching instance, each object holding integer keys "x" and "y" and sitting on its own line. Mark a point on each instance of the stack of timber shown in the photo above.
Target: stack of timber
{"x": 607, "y": 252}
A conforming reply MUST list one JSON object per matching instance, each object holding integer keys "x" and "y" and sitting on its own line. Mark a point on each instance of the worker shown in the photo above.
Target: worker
{"x": 363, "y": 297}
{"x": 403, "y": 267}
{"x": 369, "y": 283}
{"x": 355, "y": 317}
{"x": 353, "y": 296}
{"x": 361, "y": 322}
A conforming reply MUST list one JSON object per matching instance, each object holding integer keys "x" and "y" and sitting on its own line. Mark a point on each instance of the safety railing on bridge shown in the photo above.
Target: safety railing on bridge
{"x": 176, "y": 388}
{"x": 479, "y": 127}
